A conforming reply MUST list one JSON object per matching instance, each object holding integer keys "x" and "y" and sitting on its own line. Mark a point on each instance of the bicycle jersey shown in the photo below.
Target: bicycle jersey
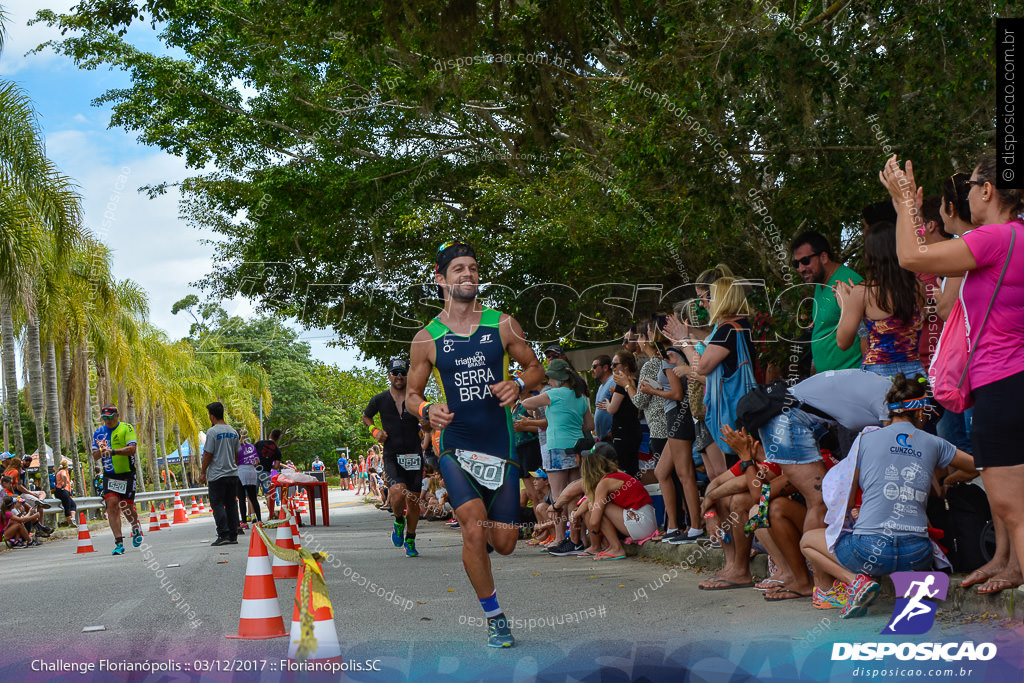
{"x": 465, "y": 367}
{"x": 122, "y": 436}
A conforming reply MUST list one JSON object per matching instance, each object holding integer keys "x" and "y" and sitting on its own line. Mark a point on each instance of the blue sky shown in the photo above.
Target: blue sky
{"x": 152, "y": 245}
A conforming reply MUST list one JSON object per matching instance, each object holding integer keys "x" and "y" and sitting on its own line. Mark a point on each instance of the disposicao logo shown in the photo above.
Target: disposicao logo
{"x": 914, "y": 614}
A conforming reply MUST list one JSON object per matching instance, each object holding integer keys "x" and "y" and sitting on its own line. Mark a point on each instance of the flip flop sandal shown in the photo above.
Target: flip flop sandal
{"x": 729, "y": 585}
{"x": 790, "y": 595}
{"x": 586, "y": 554}
{"x": 768, "y": 584}
{"x": 969, "y": 581}
{"x": 644, "y": 540}
{"x": 602, "y": 557}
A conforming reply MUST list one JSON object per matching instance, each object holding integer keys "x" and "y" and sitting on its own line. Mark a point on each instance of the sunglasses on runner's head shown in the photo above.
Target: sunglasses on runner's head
{"x": 805, "y": 260}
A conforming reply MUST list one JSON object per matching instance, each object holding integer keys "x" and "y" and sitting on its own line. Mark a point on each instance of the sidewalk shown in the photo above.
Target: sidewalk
{"x": 702, "y": 557}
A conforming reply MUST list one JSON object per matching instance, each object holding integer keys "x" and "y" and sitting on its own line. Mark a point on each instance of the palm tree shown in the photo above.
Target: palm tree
{"x": 40, "y": 216}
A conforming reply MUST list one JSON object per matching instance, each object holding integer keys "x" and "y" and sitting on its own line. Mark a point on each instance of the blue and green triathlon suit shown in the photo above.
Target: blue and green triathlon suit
{"x": 477, "y": 450}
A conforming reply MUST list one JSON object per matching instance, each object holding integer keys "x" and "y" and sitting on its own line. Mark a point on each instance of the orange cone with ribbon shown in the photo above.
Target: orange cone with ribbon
{"x": 164, "y": 524}
{"x": 327, "y": 646}
{"x": 84, "y": 539}
{"x": 283, "y": 569}
{"x": 195, "y": 507}
{"x": 260, "y": 617}
{"x": 295, "y": 533}
{"x": 154, "y": 523}
{"x": 179, "y": 510}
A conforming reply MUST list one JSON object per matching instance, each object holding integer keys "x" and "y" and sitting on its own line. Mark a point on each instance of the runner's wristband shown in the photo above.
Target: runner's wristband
{"x": 519, "y": 381}
{"x": 374, "y": 432}
{"x": 424, "y": 409}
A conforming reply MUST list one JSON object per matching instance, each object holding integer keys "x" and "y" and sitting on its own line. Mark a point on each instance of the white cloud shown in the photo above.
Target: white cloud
{"x": 21, "y": 37}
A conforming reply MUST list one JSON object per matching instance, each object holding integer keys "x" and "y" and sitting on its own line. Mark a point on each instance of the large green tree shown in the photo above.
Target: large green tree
{"x": 581, "y": 144}
{"x": 316, "y": 406}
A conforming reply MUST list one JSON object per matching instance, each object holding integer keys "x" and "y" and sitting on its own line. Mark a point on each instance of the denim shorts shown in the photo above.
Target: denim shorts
{"x": 559, "y": 459}
{"x": 791, "y": 438}
{"x": 879, "y": 555}
{"x": 910, "y": 369}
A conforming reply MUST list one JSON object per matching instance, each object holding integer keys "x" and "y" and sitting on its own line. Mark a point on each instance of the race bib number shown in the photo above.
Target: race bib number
{"x": 117, "y": 485}
{"x": 409, "y": 462}
{"x": 488, "y": 470}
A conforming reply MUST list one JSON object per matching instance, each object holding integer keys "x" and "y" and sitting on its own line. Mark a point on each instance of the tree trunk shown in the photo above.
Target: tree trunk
{"x": 181, "y": 458}
{"x": 161, "y": 448}
{"x": 84, "y": 403}
{"x": 34, "y": 361}
{"x": 53, "y": 405}
{"x": 154, "y": 469}
{"x": 67, "y": 422}
{"x": 11, "y": 376}
{"x": 141, "y": 460}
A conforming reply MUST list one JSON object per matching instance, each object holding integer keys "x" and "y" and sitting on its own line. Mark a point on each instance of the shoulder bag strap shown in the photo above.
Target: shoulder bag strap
{"x": 970, "y": 354}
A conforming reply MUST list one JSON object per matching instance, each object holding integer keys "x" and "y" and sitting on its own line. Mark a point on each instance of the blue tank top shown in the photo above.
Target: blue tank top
{"x": 465, "y": 367}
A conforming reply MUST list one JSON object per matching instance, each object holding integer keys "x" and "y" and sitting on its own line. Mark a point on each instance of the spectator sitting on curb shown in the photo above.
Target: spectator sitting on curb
{"x": 619, "y": 503}
{"x": 14, "y": 524}
{"x": 877, "y": 545}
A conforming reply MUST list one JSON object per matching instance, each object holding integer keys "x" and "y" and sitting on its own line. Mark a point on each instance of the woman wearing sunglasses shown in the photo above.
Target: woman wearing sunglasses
{"x": 991, "y": 258}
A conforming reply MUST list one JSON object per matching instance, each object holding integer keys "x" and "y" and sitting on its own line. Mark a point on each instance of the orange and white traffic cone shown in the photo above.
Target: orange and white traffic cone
{"x": 295, "y": 533}
{"x": 304, "y": 503}
{"x": 202, "y": 508}
{"x": 283, "y": 569}
{"x": 327, "y": 646}
{"x": 260, "y": 617}
{"x": 154, "y": 523}
{"x": 195, "y": 507}
{"x": 84, "y": 539}
{"x": 179, "y": 510}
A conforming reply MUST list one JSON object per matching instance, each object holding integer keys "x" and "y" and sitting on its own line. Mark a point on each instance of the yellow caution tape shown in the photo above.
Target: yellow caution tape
{"x": 312, "y": 587}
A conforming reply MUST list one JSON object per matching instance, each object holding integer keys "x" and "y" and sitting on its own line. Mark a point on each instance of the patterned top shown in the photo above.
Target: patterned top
{"x": 653, "y": 406}
{"x": 890, "y": 340}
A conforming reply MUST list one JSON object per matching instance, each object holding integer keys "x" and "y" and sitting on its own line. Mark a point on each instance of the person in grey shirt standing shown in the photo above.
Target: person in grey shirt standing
{"x": 220, "y": 474}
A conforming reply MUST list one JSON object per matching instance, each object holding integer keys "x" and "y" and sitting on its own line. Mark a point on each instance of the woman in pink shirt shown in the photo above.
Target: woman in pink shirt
{"x": 997, "y": 367}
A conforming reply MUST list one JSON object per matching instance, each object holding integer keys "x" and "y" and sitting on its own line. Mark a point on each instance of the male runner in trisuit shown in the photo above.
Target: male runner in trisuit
{"x": 468, "y": 347}
{"x": 114, "y": 443}
{"x": 400, "y": 438}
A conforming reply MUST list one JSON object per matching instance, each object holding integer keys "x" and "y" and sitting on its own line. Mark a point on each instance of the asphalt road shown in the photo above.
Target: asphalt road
{"x": 427, "y": 624}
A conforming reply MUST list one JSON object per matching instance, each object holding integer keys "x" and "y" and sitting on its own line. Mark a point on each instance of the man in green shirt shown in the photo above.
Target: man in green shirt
{"x": 114, "y": 444}
{"x": 813, "y": 259}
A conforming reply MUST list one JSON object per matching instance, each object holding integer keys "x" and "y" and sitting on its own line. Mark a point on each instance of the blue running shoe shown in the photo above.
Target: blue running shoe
{"x": 410, "y": 548}
{"x": 118, "y": 549}
{"x": 498, "y": 632}
{"x": 137, "y": 536}
{"x": 398, "y": 535}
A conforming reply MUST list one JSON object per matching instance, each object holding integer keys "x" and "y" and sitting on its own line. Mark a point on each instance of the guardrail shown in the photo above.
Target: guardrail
{"x": 96, "y": 503}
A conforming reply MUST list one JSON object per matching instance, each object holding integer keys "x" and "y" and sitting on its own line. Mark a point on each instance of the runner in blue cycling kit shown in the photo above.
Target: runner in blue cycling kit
{"x": 467, "y": 347}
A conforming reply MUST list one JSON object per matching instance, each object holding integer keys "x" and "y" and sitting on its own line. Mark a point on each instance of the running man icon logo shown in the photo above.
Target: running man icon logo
{"x": 914, "y": 613}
